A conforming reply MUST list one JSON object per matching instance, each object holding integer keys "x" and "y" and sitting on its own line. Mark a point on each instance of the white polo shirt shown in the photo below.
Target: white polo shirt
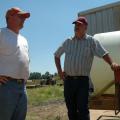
{"x": 14, "y": 58}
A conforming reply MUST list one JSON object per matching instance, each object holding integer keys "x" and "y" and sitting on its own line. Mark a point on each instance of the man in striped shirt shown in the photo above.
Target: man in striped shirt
{"x": 79, "y": 53}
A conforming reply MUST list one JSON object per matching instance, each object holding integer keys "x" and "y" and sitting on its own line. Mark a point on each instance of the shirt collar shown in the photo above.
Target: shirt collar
{"x": 84, "y": 37}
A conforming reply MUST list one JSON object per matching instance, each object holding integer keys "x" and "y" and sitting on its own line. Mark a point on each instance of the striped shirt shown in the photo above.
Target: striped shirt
{"x": 79, "y": 54}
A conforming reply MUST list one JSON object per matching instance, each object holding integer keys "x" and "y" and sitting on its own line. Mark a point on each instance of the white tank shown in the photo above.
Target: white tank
{"x": 101, "y": 73}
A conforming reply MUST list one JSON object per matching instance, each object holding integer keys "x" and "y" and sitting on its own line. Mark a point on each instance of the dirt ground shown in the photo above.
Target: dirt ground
{"x": 57, "y": 111}
{"x": 50, "y": 111}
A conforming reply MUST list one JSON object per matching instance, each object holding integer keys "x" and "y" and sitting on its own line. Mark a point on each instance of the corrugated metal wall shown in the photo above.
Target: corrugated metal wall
{"x": 103, "y": 19}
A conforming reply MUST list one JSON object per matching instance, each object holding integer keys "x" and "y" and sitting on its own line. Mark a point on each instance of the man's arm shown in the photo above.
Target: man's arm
{"x": 59, "y": 69}
{"x": 108, "y": 59}
{"x": 100, "y": 51}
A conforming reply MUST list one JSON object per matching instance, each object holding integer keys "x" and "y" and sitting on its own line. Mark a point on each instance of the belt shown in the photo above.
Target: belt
{"x": 19, "y": 81}
{"x": 76, "y": 77}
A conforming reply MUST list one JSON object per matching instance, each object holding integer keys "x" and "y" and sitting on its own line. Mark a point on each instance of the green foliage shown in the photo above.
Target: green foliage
{"x": 35, "y": 75}
{"x": 45, "y": 79}
{"x": 58, "y": 80}
{"x": 41, "y": 95}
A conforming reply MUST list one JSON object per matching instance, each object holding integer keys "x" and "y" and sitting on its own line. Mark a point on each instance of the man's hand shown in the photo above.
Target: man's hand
{"x": 115, "y": 66}
{"x": 108, "y": 59}
{"x": 62, "y": 75}
{"x": 3, "y": 80}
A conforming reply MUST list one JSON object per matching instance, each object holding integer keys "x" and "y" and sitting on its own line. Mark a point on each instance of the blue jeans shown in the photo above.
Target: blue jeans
{"x": 13, "y": 101}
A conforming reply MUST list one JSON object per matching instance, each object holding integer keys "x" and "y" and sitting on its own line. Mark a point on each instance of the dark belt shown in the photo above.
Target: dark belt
{"x": 19, "y": 81}
{"x": 75, "y": 77}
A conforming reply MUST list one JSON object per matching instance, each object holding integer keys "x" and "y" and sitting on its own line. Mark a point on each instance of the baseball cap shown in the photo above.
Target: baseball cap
{"x": 16, "y": 10}
{"x": 81, "y": 20}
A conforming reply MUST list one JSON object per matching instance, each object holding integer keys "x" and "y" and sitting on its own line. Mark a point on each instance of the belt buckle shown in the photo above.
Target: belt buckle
{"x": 75, "y": 77}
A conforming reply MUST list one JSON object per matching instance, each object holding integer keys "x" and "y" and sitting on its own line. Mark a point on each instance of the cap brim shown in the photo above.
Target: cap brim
{"x": 24, "y": 14}
{"x": 77, "y": 22}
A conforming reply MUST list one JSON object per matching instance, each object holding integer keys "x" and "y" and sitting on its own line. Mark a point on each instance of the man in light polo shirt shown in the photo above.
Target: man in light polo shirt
{"x": 79, "y": 53}
{"x": 14, "y": 66}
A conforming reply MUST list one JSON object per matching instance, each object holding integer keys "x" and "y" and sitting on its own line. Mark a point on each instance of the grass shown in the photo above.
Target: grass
{"x": 38, "y": 96}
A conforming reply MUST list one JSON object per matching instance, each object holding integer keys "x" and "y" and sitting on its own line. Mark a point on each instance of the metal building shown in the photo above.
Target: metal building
{"x": 103, "y": 19}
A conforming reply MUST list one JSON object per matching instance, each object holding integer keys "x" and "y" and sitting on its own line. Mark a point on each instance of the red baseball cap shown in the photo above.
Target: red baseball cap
{"x": 16, "y": 10}
{"x": 81, "y": 20}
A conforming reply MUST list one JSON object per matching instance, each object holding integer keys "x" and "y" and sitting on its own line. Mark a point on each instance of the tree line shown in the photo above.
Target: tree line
{"x": 38, "y": 75}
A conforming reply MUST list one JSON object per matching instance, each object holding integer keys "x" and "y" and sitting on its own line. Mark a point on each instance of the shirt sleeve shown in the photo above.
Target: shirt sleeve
{"x": 60, "y": 50}
{"x": 98, "y": 49}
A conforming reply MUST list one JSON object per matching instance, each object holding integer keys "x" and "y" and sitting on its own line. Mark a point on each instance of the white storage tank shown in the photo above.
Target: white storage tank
{"x": 101, "y": 73}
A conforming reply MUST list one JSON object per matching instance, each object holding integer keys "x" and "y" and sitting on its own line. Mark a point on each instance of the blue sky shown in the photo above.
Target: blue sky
{"x": 49, "y": 25}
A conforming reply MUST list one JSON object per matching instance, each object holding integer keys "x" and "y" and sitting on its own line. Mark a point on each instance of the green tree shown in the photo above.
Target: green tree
{"x": 35, "y": 75}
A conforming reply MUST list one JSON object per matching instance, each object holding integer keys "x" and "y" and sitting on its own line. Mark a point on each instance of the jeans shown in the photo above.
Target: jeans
{"x": 13, "y": 101}
{"x": 76, "y": 92}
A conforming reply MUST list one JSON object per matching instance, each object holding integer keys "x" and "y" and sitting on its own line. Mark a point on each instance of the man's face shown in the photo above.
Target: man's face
{"x": 17, "y": 21}
{"x": 80, "y": 29}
